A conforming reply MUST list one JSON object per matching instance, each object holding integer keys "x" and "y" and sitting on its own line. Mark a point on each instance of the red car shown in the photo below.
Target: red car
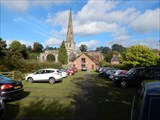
{"x": 70, "y": 71}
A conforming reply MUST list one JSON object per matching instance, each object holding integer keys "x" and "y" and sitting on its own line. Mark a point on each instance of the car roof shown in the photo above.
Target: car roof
{"x": 152, "y": 87}
{"x": 49, "y": 69}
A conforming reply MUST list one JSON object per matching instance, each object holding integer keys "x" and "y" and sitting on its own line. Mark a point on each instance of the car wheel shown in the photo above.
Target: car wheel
{"x": 70, "y": 74}
{"x": 124, "y": 84}
{"x": 30, "y": 80}
{"x": 52, "y": 80}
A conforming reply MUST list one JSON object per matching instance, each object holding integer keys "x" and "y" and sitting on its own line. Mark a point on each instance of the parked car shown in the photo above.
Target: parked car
{"x": 10, "y": 89}
{"x": 117, "y": 72}
{"x": 84, "y": 68}
{"x": 103, "y": 70}
{"x": 50, "y": 75}
{"x": 146, "y": 103}
{"x": 2, "y": 108}
{"x": 63, "y": 73}
{"x": 70, "y": 71}
{"x": 135, "y": 76}
{"x": 109, "y": 72}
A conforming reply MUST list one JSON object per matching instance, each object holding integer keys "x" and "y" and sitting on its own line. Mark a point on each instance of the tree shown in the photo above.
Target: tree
{"x": 62, "y": 54}
{"x": 15, "y": 45}
{"x": 83, "y": 48}
{"x": 24, "y": 51}
{"x": 19, "y": 49}
{"x": 140, "y": 56}
{"x": 29, "y": 49}
{"x": 37, "y": 47}
{"x": 103, "y": 50}
{"x": 118, "y": 48}
{"x": 3, "y": 46}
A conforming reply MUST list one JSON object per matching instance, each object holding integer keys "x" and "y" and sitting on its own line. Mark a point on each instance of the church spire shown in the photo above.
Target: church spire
{"x": 70, "y": 36}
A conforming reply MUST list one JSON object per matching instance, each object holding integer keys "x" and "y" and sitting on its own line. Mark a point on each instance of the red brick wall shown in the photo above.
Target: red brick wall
{"x": 89, "y": 63}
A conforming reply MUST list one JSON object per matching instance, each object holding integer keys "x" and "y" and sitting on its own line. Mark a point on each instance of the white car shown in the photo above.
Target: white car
{"x": 50, "y": 75}
{"x": 63, "y": 72}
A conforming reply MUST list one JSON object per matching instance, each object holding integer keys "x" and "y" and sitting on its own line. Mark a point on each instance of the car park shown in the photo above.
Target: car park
{"x": 135, "y": 76}
{"x": 146, "y": 103}
{"x": 50, "y": 75}
{"x": 10, "y": 89}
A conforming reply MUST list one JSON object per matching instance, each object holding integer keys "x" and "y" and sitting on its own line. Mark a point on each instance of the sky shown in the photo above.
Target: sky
{"x": 95, "y": 22}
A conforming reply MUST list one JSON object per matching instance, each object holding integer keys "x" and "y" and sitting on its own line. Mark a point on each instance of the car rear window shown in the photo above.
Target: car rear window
{"x": 154, "y": 106}
{"x": 3, "y": 78}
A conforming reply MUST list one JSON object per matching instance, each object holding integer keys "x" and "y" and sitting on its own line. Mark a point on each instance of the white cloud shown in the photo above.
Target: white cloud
{"x": 148, "y": 21}
{"x": 90, "y": 44}
{"x": 53, "y": 42}
{"x": 20, "y": 5}
{"x": 24, "y": 5}
{"x": 59, "y": 19}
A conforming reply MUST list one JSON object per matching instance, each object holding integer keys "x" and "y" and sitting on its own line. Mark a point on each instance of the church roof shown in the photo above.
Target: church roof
{"x": 115, "y": 58}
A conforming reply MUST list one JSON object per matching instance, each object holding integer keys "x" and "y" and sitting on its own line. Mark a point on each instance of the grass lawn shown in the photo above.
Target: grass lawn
{"x": 58, "y": 101}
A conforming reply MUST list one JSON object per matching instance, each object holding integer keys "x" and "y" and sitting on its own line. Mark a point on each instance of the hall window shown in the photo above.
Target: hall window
{"x": 83, "y": 60}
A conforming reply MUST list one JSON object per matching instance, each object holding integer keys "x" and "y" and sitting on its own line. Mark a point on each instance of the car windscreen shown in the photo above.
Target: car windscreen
{"x": 3, "y": 78}
{"x": 153, "y": 108}
{"x": 131, "y": 71}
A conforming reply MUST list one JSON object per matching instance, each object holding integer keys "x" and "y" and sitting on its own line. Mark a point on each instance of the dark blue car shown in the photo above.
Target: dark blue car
{"x": 146, "y": 103}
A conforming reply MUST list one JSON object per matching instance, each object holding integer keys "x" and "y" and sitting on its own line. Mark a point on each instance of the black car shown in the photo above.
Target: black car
{"x": 2, "y": 108}
{"x": 10, "y": 89}
{"x": 146, "y": 103}
{"x": 135, "y": 76}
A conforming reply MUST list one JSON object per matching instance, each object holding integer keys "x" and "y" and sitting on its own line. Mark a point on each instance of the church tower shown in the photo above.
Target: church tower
{"x": 69, "y": 43}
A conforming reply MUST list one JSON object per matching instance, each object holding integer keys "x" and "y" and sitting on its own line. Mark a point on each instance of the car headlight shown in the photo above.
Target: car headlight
{"x": 116, "y": 78}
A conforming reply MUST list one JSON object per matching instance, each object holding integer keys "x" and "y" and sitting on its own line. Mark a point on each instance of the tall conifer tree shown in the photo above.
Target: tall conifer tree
{"x": 62, "y": 55}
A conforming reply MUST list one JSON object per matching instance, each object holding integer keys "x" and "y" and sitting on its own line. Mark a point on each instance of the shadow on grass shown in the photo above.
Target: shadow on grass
{"x": 110, "y": 102}
{"x": 39, "y": 109}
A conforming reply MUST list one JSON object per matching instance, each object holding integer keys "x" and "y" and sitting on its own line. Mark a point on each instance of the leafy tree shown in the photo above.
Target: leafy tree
{"x": 83, "y": 48}
{"x": 19, "y": 49}
{"x": 29, "y": 48}
{"x": 3, "y": 46}
{"x": 37, "y": 47}
{"x": 50, "y": 58}
{"x": 103, "y": 50}
{"x": 119, "y": 48}
{"x": 140, "y": 56}
{"x": 15, "y": 45}
{"x": 62, "y": 54}
{"x": 24, "y": 52}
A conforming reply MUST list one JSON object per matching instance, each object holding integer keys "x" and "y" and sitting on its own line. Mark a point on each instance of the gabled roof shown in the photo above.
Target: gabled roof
{"x": 115, "y": 58}
{"x": 84, "y": 53}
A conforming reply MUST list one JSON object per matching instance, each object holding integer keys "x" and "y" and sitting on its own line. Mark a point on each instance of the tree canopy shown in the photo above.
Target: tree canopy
{"x": 83, "y": 48}
{"x": 62, "y": 54}
{"x": 119, "y": 48}
{"x": 37, "y": 47}
{"x": 139, "y": 55}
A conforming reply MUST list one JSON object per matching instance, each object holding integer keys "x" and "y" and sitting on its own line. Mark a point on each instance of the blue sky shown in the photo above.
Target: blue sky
{"x": 95, "y": 22}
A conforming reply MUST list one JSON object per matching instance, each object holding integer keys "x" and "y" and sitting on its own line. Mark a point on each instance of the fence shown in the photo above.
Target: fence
{"x": 8, "y": 74}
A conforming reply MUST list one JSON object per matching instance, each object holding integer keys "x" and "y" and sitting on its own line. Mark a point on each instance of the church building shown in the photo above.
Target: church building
{"x": 75, "y": 58}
